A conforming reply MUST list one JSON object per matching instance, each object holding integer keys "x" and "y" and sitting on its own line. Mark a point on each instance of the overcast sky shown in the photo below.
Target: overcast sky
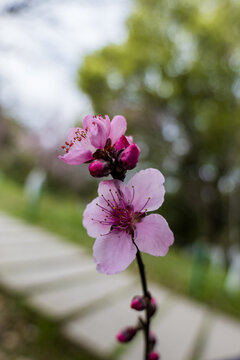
{"x": 41, "y": 47}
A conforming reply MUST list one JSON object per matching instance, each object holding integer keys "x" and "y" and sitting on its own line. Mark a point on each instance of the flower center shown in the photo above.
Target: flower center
{"x": 118, "y": 213}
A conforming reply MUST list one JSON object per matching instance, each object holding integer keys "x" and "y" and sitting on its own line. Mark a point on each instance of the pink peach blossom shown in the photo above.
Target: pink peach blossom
{"x": 82, "y": 143}
{"x": 119, "y": 214}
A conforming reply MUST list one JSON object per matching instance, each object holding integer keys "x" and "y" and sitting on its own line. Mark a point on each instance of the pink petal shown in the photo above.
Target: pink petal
{"x": 118, "y": 128}
{"x": 87, "y": 121}
{"x": 98, "y": 134}
{"x": 107, "y": 123}
{"x": 111, "y": 190}
{"x": 113, "y": 253}
{"x": 153, "y": 235}
{"x": 76, "y": 156}
{"x": 92, "y": 216}
{"x": 98, "y": 129}
{"x": 144, "y": 185}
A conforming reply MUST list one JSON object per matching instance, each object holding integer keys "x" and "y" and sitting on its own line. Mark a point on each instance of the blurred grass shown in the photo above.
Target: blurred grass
{"x": 63, "y": 216}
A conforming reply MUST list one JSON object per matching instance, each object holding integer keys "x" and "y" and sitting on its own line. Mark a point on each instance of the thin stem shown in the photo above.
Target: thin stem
{"x": 120, "y": 175}
{"x": 142, "y": 273}
{"x": 148, "y": 297}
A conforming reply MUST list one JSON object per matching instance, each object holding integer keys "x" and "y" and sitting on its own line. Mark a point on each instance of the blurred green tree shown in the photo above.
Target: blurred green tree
{"x": 177, "y": 80}
{"x": 16, "y": 160}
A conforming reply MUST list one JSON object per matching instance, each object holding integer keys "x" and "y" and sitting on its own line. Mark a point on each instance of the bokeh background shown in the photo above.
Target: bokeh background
{"x": 172, "y": 68}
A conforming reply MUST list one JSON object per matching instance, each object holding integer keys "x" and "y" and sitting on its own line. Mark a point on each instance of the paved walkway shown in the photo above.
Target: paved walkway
{"x": 60, "y": 281}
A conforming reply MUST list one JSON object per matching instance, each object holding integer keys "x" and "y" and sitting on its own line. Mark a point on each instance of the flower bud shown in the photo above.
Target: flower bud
{"x": 129, "y": 157}
{"x": 153, "y": 356}
{"x": 122, "y": 143}
{"x": 99, "y": 168}
{"x": 139, "y": 303}
{"x": 126, "y": 335}
{"x": 152, "y": 340}
{"x": 152, "y": 307}
{"x": 129, "y": 139}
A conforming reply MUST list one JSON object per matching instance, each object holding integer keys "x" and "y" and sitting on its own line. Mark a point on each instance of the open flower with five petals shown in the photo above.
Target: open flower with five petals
{"x": 118, "y": 220}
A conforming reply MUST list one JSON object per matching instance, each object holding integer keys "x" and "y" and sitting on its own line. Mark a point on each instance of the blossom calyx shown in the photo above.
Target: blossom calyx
{"x": 127, "y": 334}
{"x": 153, "y": 356}
{"x": 139, "y": 303}
{"x": 129, "y": 157}
{"x": 99, "y": 168}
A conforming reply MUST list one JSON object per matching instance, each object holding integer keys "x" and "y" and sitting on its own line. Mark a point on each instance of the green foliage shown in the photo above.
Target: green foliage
{"x": 177, "y": 80}
{"x": 15, "y": 160}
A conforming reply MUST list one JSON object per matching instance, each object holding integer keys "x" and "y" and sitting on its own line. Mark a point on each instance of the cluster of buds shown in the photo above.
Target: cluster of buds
{"x": 140, "y": 303}
{"x": 115, "y": 159}
{"x": 127, "y": 334}
{"x": 103, "y": 144}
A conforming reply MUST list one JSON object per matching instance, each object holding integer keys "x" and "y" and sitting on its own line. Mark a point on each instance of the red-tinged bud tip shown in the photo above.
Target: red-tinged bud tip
{"x": 139, "y": 303}
{"x": 153, "y": 356}
{"x": 126, "y": 335}
{"x": 99, "y": 168}
{"x": 129, "y": 157}
{"x": 122, "y": 143}
{"x": 152, "y": 307}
